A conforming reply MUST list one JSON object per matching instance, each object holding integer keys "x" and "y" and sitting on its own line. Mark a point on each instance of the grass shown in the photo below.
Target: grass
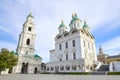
{"x": 113, "y": 73}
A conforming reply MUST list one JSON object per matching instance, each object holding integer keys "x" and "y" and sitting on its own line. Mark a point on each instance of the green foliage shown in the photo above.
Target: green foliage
{"x": 7, "y": 59}
{"x": 113, "y": 73}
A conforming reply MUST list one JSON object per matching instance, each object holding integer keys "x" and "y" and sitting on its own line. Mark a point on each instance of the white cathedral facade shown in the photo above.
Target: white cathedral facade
{"x": 28, "y": 62}
{"x": 75, "y": 49}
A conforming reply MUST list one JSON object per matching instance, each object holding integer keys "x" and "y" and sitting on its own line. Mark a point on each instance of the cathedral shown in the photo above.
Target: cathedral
{"x": 28, "y": 62}
{"x": 75, "y": 49}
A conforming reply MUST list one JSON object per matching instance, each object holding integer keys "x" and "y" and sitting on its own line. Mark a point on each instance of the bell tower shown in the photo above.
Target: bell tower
{"x": 27, "y": 37}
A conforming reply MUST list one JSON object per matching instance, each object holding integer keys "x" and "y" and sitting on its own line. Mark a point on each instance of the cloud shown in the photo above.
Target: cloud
{"x": 8, "y": 45}
{"x": 112, "y": 46}
{"x": 48, "y": 14}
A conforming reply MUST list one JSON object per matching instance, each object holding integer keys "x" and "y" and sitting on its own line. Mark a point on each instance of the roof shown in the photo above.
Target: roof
{"x": 115, "y": 56}
{"x": 37, "y": 56}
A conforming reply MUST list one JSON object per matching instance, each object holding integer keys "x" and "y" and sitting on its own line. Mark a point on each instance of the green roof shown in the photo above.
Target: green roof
{"x": 74, "y": 18}
{"x": 62, "y": 24}
{"x": 12, "y": 52}
{"x": 85, "y": 25}
{"x": 37, "y": 56}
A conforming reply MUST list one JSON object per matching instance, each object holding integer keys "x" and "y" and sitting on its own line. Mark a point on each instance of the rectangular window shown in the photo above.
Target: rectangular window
{"x": 92, "y": 46}
{"x": 73, "y": 43}
{"x": 74, "y": 56}
{"x": 29, "y": 29}
{"x": 66, "y": 44}
{"x": 84, "y": 43}
{"x": 66, "y": 56}
{"x": 88, "y": 45}
{"x": 60, "y": 46}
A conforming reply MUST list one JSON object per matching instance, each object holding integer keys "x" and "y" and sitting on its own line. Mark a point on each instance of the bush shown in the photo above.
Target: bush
{"x": 75, "y": 73}
{"x": 113, "y": 73}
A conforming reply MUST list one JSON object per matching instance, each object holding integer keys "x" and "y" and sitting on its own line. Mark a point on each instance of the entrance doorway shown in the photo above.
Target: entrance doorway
{"x": 10, "y": 70}
{"x": 35, "y": 70}
{"x": 56, "y": 69}
{"x": 24, "y": 68}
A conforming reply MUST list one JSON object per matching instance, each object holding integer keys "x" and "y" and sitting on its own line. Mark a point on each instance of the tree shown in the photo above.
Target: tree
{"x": 7, "y": 59}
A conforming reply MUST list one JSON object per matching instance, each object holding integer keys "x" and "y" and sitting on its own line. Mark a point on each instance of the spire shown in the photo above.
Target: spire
{"x": 30, "y": 15}
{"x": 73, "y": 15}
{"x": 100, "y": 50}
{"x": 61, "y": 21}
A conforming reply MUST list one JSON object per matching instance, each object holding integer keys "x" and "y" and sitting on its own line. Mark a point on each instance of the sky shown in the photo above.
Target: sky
{"x": 103, "y": 17}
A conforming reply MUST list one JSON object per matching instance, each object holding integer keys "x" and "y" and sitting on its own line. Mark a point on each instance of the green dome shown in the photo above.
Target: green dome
{"x": 62, "y": 24}
{"x": 85, "y": 25}
{"x": 14, "y": 53}
{"x": 74, "y": 18}
{"x": 37, "y": 56}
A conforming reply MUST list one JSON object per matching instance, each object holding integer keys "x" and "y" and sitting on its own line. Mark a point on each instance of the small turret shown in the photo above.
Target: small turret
{"x": 30, "y": 17}
{"x": 100, "y": 50}
{"x": 75, "y": 22}
{"x": 86, "y": 27}
{"x": 62, "y": 28}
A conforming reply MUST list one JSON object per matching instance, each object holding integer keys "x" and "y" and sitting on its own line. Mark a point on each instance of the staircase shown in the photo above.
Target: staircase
{"x": 104, "y": 67}
{"x": 102, "y": 70}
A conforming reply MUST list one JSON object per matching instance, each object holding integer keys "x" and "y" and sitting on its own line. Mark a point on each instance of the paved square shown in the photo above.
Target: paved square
{"x": 57, "y": 77}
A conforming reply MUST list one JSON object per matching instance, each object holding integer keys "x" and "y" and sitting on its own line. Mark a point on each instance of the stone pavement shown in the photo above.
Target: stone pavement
{"x": 57, "y": 77}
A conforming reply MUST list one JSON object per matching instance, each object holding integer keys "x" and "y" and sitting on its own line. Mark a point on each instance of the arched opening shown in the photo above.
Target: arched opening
{"x": 28, "y": 42}
{"x": 29, "y": 29}
{"x": 24, "y": 68}
{"x": 59, "y": 37}
{"x": 56, "y": 69}
{"x": 35, "y": 70}
{"x": 74, "y": 31}
{"x": 10, "y": 70}
{"x": 66, "y": 34}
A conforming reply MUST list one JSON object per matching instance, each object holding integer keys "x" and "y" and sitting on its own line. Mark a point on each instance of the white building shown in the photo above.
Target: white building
{"x": 115, "y": 66}
{"x": 75, "y": 49}
{"x": 28, "y": 61}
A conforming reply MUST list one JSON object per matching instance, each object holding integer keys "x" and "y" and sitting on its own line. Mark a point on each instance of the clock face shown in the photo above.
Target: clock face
{"x": 60, "y": 56}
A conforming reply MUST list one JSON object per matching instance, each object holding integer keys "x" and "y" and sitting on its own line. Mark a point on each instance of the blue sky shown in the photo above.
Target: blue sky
{"x": 103, "y": 17}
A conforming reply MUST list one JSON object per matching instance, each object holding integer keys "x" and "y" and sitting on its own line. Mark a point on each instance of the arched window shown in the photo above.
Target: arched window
{"x": 29, "y": 29}
{"x": 74, "y": 31}
{"x": 66, "y": 34}
{"x": 59, "y": 37}
{"x": 28, "y": 42}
